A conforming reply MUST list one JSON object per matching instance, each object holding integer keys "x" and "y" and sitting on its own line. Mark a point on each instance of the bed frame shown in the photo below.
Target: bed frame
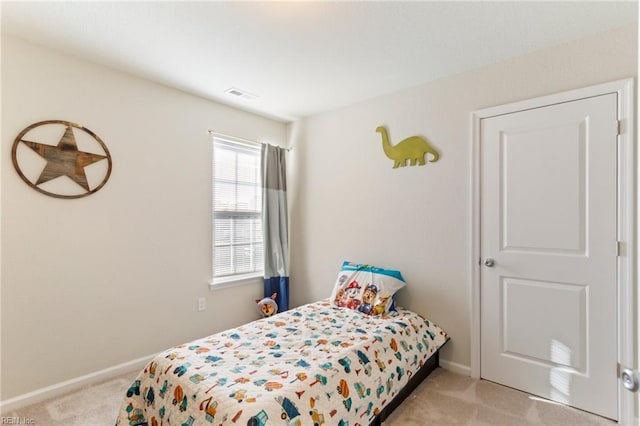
{"x": 431, "y": 364}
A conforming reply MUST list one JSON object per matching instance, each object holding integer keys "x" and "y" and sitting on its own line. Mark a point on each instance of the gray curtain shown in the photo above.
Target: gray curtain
{"x": 275, "y": 225}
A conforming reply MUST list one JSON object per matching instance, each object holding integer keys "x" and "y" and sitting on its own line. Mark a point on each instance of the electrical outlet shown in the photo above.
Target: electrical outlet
{"x": 202, "y": 304}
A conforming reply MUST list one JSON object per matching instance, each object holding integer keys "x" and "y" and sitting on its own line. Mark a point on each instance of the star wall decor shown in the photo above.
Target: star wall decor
{"x": 62, "y": 159}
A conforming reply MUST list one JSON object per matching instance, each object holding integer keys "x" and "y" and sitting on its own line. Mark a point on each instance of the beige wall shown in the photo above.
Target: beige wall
{"x": 91, "y": 283}
{"x": 95, "y": 282}
{"x": 351, "y": 205}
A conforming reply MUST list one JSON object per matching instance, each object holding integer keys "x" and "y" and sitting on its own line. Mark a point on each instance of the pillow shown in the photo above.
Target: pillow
{"x": 366, "y": 288}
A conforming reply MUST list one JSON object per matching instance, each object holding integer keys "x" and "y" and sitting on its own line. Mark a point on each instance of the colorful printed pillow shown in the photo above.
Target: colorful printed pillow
{"x": 366, "y": 288}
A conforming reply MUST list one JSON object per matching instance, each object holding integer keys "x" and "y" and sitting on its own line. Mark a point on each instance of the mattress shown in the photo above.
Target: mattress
{"x": 313, "y": 365}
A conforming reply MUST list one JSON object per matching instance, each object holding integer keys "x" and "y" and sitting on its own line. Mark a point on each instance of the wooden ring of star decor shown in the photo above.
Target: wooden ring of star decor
{"x": 63, "y": 159}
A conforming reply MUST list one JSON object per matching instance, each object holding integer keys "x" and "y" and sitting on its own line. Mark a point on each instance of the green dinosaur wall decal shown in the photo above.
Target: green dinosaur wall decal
{"x": 412, "y": 148}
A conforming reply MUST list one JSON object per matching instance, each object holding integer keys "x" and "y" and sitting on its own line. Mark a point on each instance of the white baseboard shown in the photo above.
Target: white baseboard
{"x": 68, "y": 386}
{"x": 454, "y": 367}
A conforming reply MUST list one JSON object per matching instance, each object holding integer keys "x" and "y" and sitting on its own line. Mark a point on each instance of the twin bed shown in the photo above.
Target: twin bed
{"x": 318, "y": 364}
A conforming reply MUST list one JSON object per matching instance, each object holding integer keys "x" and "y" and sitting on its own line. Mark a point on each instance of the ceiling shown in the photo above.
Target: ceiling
{"x": 304, "y": 58}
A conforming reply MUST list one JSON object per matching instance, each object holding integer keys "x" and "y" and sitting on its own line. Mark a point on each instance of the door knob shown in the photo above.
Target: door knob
{"x": 630, "y": 379}
{"x": 489, "y": 262}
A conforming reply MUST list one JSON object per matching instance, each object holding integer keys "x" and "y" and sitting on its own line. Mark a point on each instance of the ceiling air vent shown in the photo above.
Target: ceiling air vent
{"x": 240, "y": 93}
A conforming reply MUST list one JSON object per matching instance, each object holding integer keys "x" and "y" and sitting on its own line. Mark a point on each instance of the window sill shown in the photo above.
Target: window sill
{"x": 223, "y": 283}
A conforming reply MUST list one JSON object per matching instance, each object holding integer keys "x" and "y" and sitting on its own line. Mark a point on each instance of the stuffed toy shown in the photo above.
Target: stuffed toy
{"x": 268, "y": 305}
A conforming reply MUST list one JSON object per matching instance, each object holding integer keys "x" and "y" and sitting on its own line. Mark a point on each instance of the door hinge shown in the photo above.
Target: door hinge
{"x": 619, "y": 248}
{"x": 618, "y": 127}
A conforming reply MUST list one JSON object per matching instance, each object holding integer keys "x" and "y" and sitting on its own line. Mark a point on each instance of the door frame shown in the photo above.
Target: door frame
{"x": 626, "y": 191}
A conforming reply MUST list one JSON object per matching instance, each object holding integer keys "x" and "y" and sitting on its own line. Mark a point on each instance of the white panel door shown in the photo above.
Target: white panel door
{"x": 548, "y": 221}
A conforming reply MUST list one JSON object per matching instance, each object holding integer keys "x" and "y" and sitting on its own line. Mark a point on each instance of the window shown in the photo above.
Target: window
{"x": 237, "y": 210}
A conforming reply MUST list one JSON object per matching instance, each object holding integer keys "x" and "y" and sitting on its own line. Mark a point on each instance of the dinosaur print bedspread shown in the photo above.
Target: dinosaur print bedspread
{"x": 312, "y": 365}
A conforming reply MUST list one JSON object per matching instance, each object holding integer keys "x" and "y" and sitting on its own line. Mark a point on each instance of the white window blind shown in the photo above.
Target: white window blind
{"x": 237, "y": 210}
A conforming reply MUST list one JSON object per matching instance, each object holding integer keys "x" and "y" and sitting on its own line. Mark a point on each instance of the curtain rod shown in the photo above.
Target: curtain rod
{"x": 224, "y": 135}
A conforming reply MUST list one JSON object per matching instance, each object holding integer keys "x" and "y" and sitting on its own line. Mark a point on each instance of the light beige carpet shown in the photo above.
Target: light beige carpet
{"x": 95, "y": 405}
{"x": 444, "y": 398}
